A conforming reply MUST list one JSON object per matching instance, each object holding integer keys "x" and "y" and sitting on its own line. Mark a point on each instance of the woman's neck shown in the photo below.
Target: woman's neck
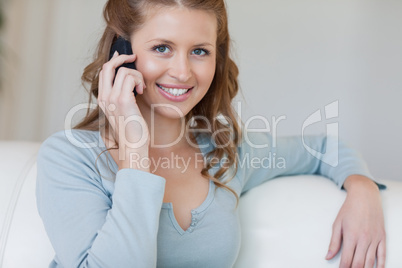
{"x": 167, "y": 134}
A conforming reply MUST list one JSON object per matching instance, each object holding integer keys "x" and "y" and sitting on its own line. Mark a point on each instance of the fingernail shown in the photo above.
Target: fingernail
{"x": 328, "y": 254}
{"x": 115, "y": 54}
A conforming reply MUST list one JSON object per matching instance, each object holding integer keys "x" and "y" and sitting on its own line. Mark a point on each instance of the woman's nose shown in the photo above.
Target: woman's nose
{"x": 181, "y": 68}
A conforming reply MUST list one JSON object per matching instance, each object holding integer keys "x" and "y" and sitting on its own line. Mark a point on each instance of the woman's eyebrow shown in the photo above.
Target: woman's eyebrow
{"x": 172, "y": 43}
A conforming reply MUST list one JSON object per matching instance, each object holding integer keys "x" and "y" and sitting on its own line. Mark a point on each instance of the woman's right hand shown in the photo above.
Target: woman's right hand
{"x": 119, "y": 105}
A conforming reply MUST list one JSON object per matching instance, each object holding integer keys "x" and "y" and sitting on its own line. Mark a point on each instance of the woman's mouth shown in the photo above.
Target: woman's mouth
{"x": 175, "y": 91}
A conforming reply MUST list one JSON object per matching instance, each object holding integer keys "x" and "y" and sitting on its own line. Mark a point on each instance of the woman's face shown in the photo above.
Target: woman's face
{"x": 176, "y": 51}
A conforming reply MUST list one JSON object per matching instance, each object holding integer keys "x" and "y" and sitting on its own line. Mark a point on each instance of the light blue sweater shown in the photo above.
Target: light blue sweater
{"x": 120, "y": 220}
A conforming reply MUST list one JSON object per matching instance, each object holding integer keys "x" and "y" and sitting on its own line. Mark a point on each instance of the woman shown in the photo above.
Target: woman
{"x": 97, "y": 215}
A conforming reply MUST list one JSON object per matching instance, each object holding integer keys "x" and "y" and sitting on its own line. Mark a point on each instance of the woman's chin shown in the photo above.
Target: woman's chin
{"x": 169, "y": 111}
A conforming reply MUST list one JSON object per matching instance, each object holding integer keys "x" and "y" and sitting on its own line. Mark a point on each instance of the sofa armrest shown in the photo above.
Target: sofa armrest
{"x": 287, "y": 222}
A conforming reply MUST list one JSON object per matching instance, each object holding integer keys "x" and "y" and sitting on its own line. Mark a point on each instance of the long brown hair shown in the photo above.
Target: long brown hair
{"x": 124, "y": 17}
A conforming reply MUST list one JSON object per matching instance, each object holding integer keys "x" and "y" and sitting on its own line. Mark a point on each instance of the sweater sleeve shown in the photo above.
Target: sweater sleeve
{"x": 87, "y": 226}
{"x": 263, "y": 157}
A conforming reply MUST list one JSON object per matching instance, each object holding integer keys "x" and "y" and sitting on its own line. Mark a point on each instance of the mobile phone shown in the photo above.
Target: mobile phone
{"x": 122, "y": 46}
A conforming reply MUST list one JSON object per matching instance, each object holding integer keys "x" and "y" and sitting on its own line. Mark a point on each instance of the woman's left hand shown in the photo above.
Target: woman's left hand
{"x": 359, "y": 226}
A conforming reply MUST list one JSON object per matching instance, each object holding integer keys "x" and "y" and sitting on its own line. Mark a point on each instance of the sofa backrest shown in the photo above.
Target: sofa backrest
{"x": 21, "y": 229}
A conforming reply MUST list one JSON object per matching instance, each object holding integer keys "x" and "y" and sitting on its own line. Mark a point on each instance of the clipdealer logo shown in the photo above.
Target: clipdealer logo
{"x": 330, "y": 156}
{"x": 332, "y": 131}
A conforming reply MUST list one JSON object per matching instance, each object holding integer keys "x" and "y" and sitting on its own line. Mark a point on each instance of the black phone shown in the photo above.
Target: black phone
{"x": 122, "y": 46}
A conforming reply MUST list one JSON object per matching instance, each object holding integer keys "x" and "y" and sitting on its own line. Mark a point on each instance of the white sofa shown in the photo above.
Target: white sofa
{"x": 285, "y": 222}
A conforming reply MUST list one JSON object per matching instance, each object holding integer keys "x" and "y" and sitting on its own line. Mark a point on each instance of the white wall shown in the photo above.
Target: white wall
{"x": 297, "y": 56}
{"x": 294, "y": 56}
{"x": 48, "y": 43}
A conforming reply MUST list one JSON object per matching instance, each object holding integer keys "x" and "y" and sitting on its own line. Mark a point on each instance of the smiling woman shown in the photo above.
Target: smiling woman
{"x": 143, "y": 214}
{"x": 170, "y": 61}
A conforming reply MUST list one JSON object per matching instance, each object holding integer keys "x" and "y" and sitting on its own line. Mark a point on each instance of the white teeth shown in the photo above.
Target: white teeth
{"x": 174, "y": 91}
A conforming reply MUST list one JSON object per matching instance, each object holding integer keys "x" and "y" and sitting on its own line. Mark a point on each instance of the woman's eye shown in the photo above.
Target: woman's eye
{"x": 199, "y": 52}
{"x": 162, "y": 49}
